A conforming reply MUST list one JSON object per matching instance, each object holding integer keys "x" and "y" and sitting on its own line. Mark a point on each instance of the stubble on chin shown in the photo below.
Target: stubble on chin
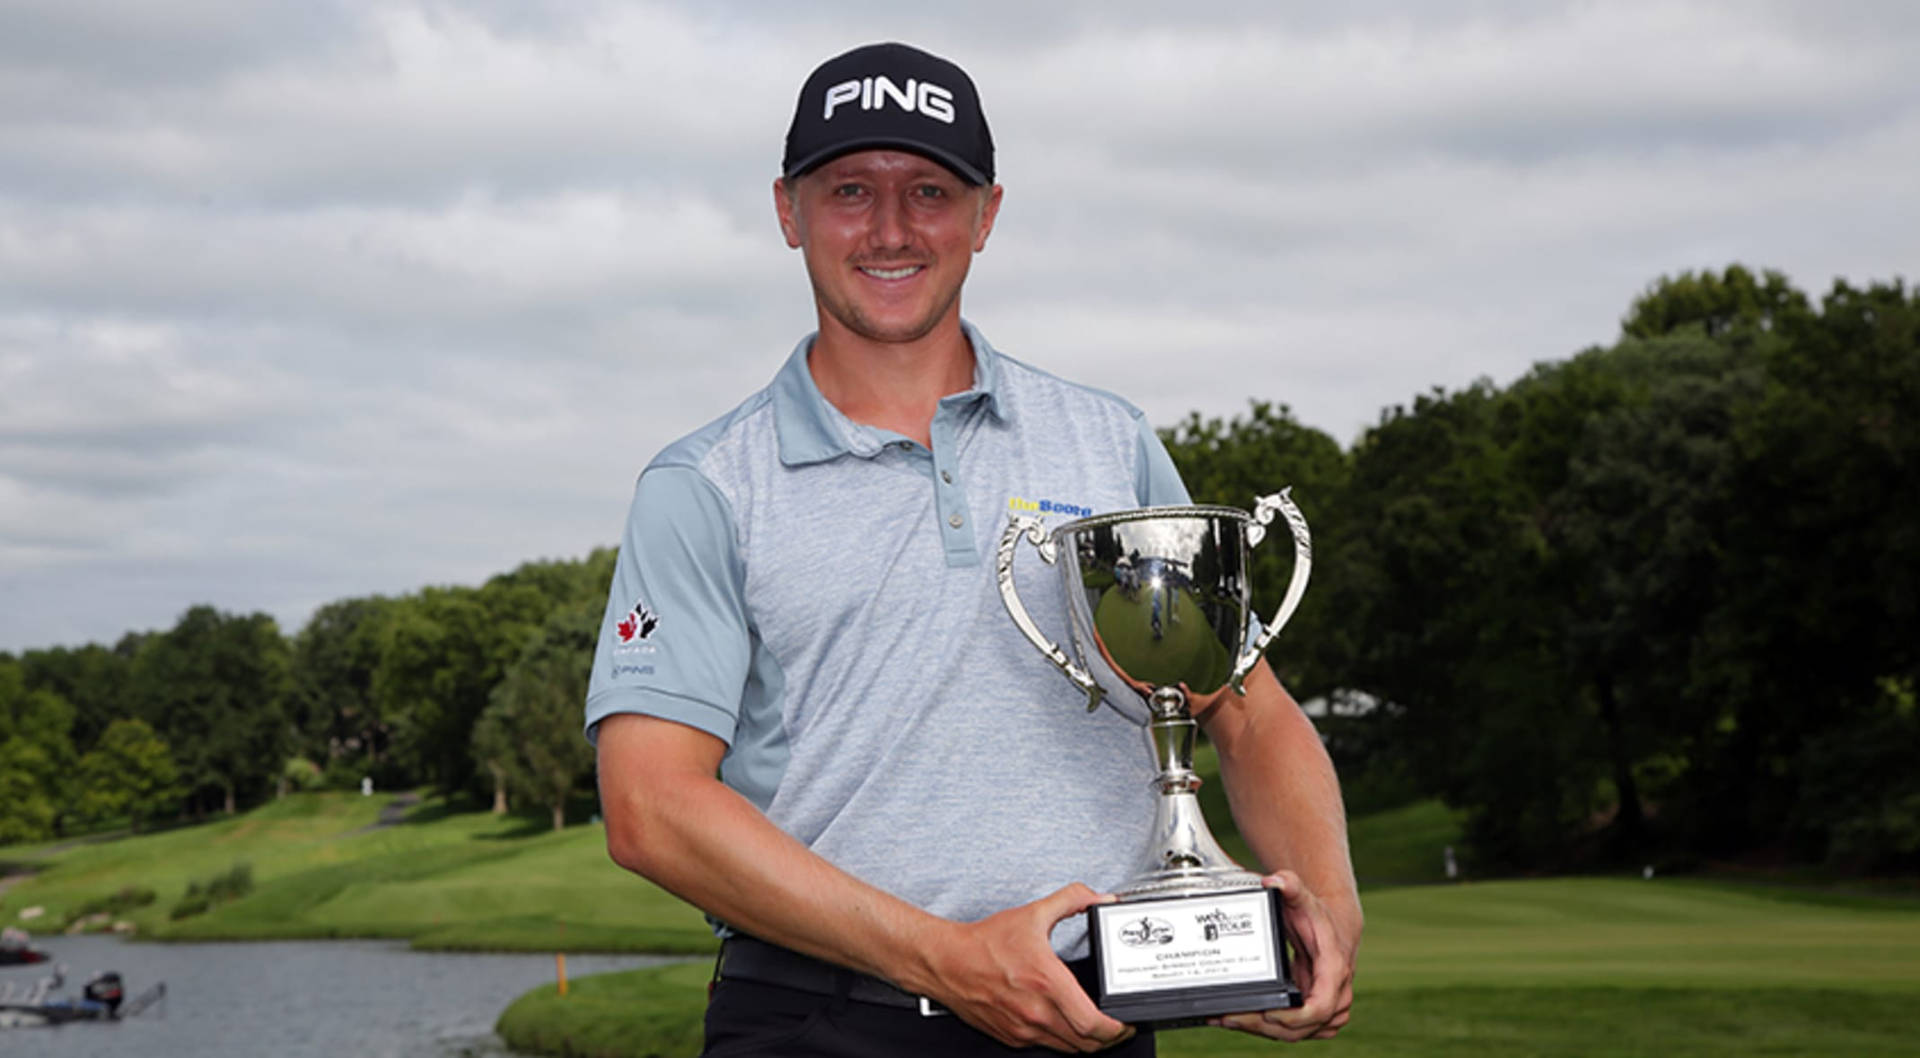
{"x": 859, "y": 323}
{"x": 849, "y": 315}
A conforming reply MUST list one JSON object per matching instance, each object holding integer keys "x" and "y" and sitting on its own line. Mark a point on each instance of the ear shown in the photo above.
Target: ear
{"x": 989, "y": 209}
{"x": 783, "y": 209}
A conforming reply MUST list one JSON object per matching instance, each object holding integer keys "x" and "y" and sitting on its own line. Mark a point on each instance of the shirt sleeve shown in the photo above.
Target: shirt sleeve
{"x": 1156, "y": 480}
{"x": 675, "y": 641}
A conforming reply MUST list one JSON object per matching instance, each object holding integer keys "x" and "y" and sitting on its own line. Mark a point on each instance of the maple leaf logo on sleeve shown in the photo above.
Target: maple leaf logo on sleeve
{"x": 638, "y": 623}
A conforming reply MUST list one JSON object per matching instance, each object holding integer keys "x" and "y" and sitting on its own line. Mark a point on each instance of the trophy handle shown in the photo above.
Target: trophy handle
{"x": 1263, "y": 513}
{"x": 1036, "y": 532}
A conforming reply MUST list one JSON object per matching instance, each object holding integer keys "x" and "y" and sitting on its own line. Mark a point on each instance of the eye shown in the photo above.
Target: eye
{"x": 930, "y": 191}
{"x": 847, "y": 190}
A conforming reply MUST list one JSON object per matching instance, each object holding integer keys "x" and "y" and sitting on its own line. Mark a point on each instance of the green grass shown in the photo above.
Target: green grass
{"x": 1627, "y": 933}
{"x": 654, "y": 1013}
{"x": 1577, "y": 966}
{"x": 1601, "y": 1022}
{"x": 649, "y": 1013}
{"x": 1673, "y": 967}
{"x": 1403, "y": 846}
{"x": 440, "y": 879}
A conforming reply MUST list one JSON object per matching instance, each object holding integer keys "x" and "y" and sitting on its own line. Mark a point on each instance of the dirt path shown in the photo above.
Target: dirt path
{"x": 392, "y": 812}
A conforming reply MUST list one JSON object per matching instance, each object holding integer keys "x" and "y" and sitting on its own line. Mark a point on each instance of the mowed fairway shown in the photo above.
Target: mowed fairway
{"x": 1625, "y": 967}
{"x": 1635, "y": 934}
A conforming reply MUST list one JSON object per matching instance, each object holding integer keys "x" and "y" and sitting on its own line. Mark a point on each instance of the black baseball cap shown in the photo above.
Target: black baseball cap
{"x": 890, "y": 95}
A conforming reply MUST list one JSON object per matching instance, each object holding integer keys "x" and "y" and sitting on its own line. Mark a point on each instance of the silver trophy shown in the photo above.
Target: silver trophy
{"x": 1158, "y": 600}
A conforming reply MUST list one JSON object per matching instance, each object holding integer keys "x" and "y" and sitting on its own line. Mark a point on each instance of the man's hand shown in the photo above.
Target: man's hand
{"x": 1322, "y": 967}
{"x": 1001, "y": 976}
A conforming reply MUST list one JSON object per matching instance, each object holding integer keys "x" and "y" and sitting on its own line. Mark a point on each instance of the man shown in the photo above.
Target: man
{"x": 814, "y": 719}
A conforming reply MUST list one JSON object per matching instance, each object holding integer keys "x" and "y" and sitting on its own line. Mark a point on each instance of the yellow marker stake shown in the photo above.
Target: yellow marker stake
{"x": 560, "y": 965}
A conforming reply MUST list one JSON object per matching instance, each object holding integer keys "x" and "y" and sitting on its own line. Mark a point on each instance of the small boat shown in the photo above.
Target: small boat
{"x": 100, "y": 1000}
{"x": 16, "y": 948}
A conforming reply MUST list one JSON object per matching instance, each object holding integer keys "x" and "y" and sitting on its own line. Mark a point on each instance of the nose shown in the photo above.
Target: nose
{"x": 890, "y": 230}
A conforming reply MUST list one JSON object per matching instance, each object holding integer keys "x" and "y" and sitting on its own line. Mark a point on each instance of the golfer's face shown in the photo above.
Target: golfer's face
{"x": 888, "y": 237}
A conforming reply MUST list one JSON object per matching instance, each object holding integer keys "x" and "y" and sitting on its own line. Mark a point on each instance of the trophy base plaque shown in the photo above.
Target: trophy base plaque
{"x": 1174, "y": 961}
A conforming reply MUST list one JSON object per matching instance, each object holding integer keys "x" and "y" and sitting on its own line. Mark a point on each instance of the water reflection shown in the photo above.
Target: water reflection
{"x": 294, "y": 999}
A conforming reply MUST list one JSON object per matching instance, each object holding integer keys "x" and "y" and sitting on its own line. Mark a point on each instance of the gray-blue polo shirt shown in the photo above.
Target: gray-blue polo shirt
{"x": 820, "y": 595}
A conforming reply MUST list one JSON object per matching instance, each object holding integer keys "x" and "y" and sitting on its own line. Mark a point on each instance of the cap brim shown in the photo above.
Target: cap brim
{"x": 821, "y": 157}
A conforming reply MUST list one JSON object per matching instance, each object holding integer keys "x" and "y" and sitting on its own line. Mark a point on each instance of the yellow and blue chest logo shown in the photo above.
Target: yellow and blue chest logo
{"x": 1022, "y": 505}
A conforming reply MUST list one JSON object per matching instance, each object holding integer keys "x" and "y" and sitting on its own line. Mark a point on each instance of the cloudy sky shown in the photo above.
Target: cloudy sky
{"x": 307, "y": 300}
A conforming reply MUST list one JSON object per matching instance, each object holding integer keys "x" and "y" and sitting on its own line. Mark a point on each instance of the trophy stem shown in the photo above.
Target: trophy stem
{"x": 1182, "y": 855}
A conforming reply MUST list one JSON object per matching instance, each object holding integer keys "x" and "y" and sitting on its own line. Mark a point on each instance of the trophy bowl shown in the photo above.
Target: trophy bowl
{"x": 1158, "y": 603}
{"x": 1157, "y": 598}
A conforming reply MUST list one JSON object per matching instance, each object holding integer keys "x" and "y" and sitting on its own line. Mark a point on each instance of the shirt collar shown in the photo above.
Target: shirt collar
{"x": 812, "y": 431}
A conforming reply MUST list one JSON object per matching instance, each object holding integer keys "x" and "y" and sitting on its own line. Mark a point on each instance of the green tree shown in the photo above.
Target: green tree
{"x": 444, "y": 649}
{"x": 1449, "y": 631}
{"x": 440, "y": 655}
{"x": 1735, "y": 303}
{"x": 531, "y": 729}
{"x": 130, "y": 774}
{"x": 36, "y": 757}
{"x": 215, "y": 687}
{"x": 332, "y": 705}
{"x": 1657, "y": 593}
{"x": 1823, "y": 571}
{"x": 494, "y": 750}
{"x": 1634, "y": 464}
{"x": 93, "y": 678}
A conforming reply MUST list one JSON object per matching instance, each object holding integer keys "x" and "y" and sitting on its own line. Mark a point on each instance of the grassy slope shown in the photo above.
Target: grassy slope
{"x": 1399, "y": 847}
{"x": 468, "y": 880}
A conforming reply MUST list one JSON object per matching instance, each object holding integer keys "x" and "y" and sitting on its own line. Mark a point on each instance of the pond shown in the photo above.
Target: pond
{"x": 295, "y": 999}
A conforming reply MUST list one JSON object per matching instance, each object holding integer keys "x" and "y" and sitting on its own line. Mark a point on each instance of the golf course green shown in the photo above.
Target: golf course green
{"x": 1597, "y": 966}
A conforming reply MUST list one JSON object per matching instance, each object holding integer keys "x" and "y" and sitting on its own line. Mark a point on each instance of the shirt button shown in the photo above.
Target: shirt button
{"x": 946, "y": 477}
{"x": 956, "y": 521}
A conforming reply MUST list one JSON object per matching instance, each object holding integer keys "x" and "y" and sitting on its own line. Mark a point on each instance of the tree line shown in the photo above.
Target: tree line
{"x": 469, "y": 690}
{"x": 1656, "y": 601}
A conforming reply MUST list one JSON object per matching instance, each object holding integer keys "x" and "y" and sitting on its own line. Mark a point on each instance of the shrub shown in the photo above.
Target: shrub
{"x": 114, "y": 904}
{"x": 219, "y": 889}
{"x": 300, "y": 775}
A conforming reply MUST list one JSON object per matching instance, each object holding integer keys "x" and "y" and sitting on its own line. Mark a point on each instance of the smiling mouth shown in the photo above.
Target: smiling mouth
{"x": 901, "y": 272}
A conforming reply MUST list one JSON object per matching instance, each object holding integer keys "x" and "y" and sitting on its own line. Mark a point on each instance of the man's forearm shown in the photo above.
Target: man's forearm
{"x": 702, "y": 841}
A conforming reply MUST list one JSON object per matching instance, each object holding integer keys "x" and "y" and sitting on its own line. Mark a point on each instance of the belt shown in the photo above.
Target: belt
{"x": 747, "y": 959}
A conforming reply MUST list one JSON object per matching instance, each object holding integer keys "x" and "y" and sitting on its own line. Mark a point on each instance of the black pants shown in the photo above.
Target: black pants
{"x": 749, "y": 1018}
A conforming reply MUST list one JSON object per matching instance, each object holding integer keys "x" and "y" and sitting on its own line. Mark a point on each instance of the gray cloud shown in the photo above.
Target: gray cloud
{"x": 301, "y": 301}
